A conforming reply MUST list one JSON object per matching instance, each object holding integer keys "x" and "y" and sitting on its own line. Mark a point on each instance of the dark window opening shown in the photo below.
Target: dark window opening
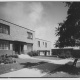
{"x": 4, "y": 45}
{"x": 45, "y": 44}
{"x": 4, "y": 29}
{"x": 30, "y": 35}
{"x": 38, "y": 43}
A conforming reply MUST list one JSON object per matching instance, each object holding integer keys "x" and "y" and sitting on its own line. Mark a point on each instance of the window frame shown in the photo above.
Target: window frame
{"x": 46, "y": 44}
{"x": 38, "y": 43}
{"x": 29, "y": 35}
{"x": 5, "y": 29}
{"x": 4, "y": 45}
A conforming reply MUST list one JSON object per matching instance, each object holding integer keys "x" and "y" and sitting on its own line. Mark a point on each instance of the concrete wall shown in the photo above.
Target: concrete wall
{"x": 42, "y": 47}
{"x": 27, "y": 48}
{"x": 17, "y": 33}
{"x": 4, "y": 52}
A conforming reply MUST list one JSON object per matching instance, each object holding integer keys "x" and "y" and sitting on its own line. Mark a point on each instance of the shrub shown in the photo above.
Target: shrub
{"x": 14, "y": 56}
{"x": 62, "y": 55}
{"x": 76, "y": 53}
{"x": 6, "y": 59}
{"x": 68, "y": 54}
{"x": 33, "y": 53}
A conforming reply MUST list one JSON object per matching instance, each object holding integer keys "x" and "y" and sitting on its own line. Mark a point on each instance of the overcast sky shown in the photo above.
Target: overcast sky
{"x": 42, "y": 17}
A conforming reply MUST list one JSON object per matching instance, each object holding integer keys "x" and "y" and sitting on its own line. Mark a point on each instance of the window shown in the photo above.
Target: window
{"x": 4, "y": 45}
{"x": 30, "y": 35}
{"x": 45, "y": 44}
{"x": 4, "y": 29}
{"x": 38, "y": 43}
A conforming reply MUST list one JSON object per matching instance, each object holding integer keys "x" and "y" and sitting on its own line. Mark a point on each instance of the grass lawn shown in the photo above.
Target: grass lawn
{"x": 65, "y": 71}
{"x": 52, "y": 70}
{"x": 4, "y": 68}
{"x": 9, "y": 67}
{"x": 27, "y": 63}
{"x": 55, "y": 70}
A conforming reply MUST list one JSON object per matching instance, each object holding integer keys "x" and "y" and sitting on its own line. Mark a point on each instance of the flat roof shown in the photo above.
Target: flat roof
{"x": 17, "y": 25}
{"x": 42, "y": 39}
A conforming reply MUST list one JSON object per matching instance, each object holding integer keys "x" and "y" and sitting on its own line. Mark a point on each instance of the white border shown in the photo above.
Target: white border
{"x": 41, "y": 0}
{"x": 42, "y": 78}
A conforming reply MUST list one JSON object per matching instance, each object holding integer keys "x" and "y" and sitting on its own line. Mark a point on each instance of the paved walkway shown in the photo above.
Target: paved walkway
{"x": 63, "y": 61}
{"x": 33, "y": 72}
{"x": 24, "y": 73}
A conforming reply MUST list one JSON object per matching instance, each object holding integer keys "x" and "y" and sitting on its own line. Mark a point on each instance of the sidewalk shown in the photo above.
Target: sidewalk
{"x": 63, "y": 61}
{"x": 26, "y": 72}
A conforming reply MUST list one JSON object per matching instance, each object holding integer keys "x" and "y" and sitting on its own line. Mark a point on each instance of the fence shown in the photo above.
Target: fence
{"x": 70, "y": 52}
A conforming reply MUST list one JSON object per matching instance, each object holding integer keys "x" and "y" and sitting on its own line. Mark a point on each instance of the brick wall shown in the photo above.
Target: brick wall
{"x": 8, "y": 52}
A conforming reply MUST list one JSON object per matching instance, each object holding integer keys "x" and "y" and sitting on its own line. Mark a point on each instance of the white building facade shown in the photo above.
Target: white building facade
{"x": 42, "y": 46}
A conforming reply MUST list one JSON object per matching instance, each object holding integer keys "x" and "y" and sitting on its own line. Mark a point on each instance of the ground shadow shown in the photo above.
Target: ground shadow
{"x": 42, "y": 66}
{"x": 47, "y": 67}
{"x": 67, "y": 68}
{"x": 51, "y": 68}
{"x": 30, "y": 65}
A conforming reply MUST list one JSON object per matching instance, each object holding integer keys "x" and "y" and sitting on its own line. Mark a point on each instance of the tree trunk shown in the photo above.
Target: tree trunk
{"x": 75, "y": 61}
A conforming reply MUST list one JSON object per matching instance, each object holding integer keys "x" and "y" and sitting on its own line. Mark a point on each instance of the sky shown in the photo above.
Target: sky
{"x": 41, "y": 16}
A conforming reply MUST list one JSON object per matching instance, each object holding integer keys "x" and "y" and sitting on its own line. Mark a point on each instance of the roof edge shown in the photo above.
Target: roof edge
{"x": 17, "y": 25}
{"x": 42, "y": 39}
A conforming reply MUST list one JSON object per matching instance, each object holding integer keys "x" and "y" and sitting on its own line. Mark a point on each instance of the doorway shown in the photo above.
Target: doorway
{"x": 18, "y": 48}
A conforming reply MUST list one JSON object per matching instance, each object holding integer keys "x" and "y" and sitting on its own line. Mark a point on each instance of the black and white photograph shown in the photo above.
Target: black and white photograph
{"x": 40, "y": 39}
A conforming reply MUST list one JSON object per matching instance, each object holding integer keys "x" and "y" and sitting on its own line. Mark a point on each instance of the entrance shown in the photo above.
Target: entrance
{"x": 18, "y": 48}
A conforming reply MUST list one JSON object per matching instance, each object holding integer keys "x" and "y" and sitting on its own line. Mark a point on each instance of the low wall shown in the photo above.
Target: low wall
{"x": 59, "y": 51}
{"x": 25, "y": 52}
{"x": 76, "y": 53}
{"x": 8, "y": 52}
{"x": 66, "y": 52}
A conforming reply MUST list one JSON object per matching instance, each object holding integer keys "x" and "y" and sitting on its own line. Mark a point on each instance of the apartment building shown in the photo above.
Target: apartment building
{"x": 15, "y": 39}
{"x": 42, "y": 46}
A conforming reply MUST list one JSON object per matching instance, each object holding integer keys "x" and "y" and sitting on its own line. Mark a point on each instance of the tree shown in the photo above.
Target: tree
{"x": 69, "y": 30}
